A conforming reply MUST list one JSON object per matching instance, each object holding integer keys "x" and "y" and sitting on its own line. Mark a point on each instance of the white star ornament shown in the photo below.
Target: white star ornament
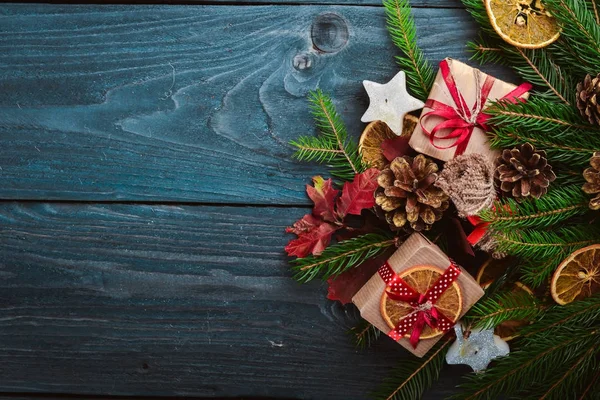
{"x": 390, "y": 102}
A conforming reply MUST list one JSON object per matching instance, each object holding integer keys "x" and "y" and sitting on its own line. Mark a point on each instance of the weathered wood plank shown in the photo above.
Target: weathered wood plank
{"x": 183, "y": 103}
{"x": 165, "y": 300}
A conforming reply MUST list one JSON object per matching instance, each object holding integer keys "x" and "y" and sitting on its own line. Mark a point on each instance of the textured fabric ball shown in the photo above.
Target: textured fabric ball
{"x": 469, "y": 181}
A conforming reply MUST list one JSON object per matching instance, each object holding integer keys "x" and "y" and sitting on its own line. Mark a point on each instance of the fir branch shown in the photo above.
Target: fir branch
{"x": 562, "y": 146}
{"x": 506, "y": 306}
{"x": 364, "y": 334}
{"x": 588, "y": 388}
{"x": 477, "y": 10}
{"x": 556, "y": 206}
{"x": 544, "y": 250}
{"x": 584, "y": 313}
{"x": 333, "y": 145}
{"x": 594, "y": 7}
{"x": 579, "y": 29}
{"x": 412, "y": 377}
{"x": 561, "y": 338}
{"x": 562, "y": 388}
{"x": 540, "y": 115}
{"x": 537, "y": 362}
{"x": 538, "y": 67}
{"x": 341, "y": 257}
{"x": 485, "y": 52}
{"x": 401, "y": 26}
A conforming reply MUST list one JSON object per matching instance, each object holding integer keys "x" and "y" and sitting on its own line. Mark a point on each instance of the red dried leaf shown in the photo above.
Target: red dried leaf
{"x": 395, "y": 147}
{"x": 359, "y": 194}
{"x": 314, "y": 236}
{"x": 344, "y": 286}
{"x": 323, "y": 195}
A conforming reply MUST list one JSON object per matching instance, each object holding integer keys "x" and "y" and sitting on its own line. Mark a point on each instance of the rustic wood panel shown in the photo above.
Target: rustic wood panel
{"x": 165, "y": 300}
{"x": 183, "y": 103}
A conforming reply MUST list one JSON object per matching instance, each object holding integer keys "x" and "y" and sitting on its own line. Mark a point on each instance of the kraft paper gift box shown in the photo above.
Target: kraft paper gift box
{"x": 465, "y": 125}
{"x": 415, "y": 251}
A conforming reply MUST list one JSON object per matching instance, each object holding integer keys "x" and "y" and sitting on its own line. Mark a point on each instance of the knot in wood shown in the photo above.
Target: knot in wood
{"x": 329, "y": 33}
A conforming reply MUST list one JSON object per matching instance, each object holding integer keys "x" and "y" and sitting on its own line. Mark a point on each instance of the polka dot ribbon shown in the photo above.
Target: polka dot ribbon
{"x": 424, "y": 309}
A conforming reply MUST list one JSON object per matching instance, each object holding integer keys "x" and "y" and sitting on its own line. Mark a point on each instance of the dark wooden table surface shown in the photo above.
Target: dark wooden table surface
{"x": 145, "y": 184}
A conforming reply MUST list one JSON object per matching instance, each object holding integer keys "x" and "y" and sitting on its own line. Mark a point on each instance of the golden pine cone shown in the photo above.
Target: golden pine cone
{"x": 524, "y": 172}
{"x": 406, "y": 193}
{"x": 588, "y": 93}
{"x": 592, "y": 178}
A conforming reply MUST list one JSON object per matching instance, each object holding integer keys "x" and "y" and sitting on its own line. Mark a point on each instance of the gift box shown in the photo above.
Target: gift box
{"x": 453, "y": 122}
{"x": 417, "y": 295}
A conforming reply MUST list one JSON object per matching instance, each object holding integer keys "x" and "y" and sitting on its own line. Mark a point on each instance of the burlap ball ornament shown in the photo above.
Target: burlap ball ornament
{"x": 469, "y": 182}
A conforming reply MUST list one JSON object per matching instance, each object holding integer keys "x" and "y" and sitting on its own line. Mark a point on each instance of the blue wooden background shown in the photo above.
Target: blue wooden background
{"x": 145, "y": 184}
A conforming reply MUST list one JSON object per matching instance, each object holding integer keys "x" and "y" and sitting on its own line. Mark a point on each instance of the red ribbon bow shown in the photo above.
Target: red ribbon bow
{"x": 461, "y": 120}
{"x": 424, "y": 310}
{"x": 480, "y": 229}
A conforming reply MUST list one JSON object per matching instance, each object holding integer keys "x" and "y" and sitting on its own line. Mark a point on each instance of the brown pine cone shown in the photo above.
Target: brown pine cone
{"x": 406, "y": 193}
{"x": 592, "y": 177}
{"x": 524, "y": 172}
{"x": 588, "y": 92}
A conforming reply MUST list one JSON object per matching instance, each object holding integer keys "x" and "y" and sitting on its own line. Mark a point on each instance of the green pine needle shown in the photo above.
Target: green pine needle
{"x": 580, "y": 31}
{"x": 507, "y": 306}
{"x": 413, "y": 376}
{"x": 341, "y": 257}
{"x": 401, "y": 26}
{"x": 544, "y": 250}
{"x": 364, "y": 334}
{"x": 556, "y": 358}
{"x": 557, "y": 206}
{"x": 333, "y": 146}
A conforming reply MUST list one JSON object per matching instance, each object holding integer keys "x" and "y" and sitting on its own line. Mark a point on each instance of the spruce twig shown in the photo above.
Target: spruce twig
{"x": 332, "y": 146}
{"x": 506, "y": 306}
{"x": 341, "y": 257}
{"x": 412, "y": 377}
{"x": 364, "y": 334}
{"x": 556, "y": 206}
{"x": 401, "y": 26}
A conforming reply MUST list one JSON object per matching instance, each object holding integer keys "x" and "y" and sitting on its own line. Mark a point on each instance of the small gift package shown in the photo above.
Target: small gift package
{"x": 417, "y": 295}
{"x": 453, "y": 122}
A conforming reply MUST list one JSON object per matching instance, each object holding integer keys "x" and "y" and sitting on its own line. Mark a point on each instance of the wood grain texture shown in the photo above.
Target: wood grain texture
{"x": 183, "y": 103}
{"x": 165, "y": 300}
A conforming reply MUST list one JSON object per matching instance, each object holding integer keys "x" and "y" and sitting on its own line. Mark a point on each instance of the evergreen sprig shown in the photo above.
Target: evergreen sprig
{"x": 580, "y": 31}
{"x": 332, "y": 146}
{"x": 542, "y": 115}
{"x": 364, "y": 334}
{"x": 556, "y": 359}
{"x": 341, "y": 257}
{"x": 544, "y": 250}
{"x": 557, "y": 206}
{"x": 505, "y": 306}
{"x": 413, "y": 376}
{"x": 403, "y": 32}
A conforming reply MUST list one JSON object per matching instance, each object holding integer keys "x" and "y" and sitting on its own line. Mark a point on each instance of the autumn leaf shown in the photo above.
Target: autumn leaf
{"x": 323, "y": 195}
{"x": 314, "y": 236}
{"x": 395, "y": 147}
{"x": 344, "y": 286}
{"x": 358, "y": 194}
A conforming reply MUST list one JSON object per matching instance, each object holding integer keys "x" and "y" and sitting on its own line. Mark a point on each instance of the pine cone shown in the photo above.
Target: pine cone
{"x": 406, "y": 193}
{"x": 592, "y": 177}
{"x": 524, "y": 172}
{"x": 587, "y": 102}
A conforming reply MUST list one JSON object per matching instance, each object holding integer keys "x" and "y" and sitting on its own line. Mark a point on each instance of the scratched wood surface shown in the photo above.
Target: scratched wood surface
{"x": 145, "y": 183}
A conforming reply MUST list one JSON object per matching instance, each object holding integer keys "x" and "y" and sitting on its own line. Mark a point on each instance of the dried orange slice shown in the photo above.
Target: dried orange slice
{"x": 375, "y": 134}
{"x": 491, "y": 270}
{"x": 523, "y": 23}
{"x": 578, "y": 276}
{"x": 421, "y": 278}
